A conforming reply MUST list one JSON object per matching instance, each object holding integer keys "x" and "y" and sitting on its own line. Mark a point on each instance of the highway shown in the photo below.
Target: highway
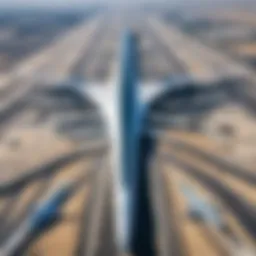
{"x": 206, "y": 208}
{"x": 95, "y": 62}
{"x": 52, "y": 135}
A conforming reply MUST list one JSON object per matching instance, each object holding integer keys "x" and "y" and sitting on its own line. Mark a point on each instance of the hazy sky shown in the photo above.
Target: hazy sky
{"x": 46, "y": 2}
{"x": 74, "y": 3}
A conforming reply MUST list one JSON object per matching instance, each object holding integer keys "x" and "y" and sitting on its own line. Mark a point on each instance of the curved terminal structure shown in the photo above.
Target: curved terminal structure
{"x": 124, "y": 104}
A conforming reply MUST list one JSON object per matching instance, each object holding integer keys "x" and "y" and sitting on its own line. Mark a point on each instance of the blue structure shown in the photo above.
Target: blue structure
{"x": 137, "y": 227}
{"x": 128, "y": 102}
{"x": 50, "y": 209}
{"x": 128, "y": 118}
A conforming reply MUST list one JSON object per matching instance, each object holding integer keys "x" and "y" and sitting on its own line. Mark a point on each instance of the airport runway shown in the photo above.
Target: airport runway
{"x": 157, "y": 62}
